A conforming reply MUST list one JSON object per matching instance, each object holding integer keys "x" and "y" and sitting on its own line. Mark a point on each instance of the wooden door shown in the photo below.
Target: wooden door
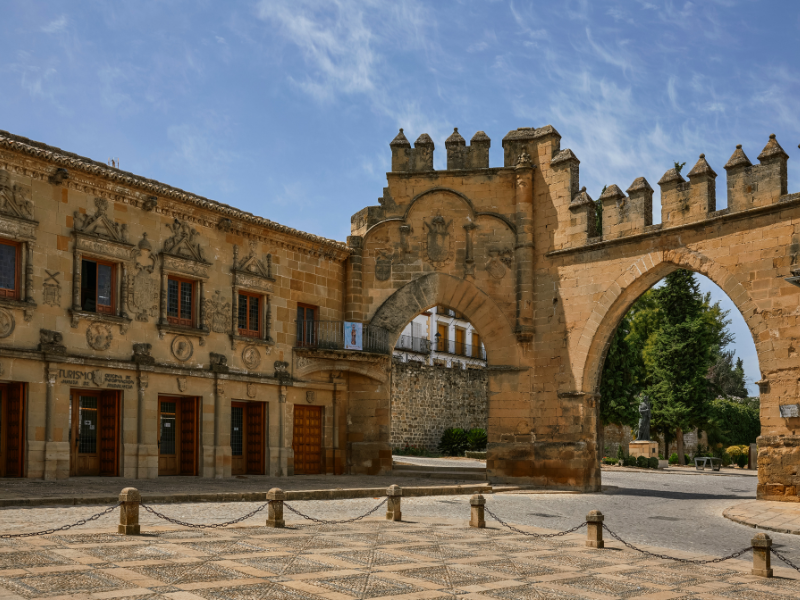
{"x": 84, "y": 434}
{"x": 238, "y": 438}
{"x": 168, "y": 438}
{"x": 189, "y": 437}
{"x": 108, "y": 413}
{"x": 254, "y": 437}
{"x": 12, "y": 430}
{"x": 307, "y": 440}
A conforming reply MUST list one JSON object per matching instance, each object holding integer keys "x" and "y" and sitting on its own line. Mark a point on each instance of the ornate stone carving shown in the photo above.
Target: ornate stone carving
{"x": 98, "y": 336}
{"x": 218, "y": 313}
{"x": 182, "y": 348}
{"x": 150, "y": 203}
{"x": 383, "y": 265}
{"x": 311, "y": 396}
{"x": 438, "y": 241}
{"x": 469, "y": 258}
{"x": 51, "y": 289}
{"x": 182, "y": 384}
{"x": 252, "y": 263}
{"x": 7, "y": 323}
{"x": 142, "y": 288}
{"x": 184, "y": 242}
{"x": 141, "y": 354}
{"x": 499, "y": 259}
{"x": 14, "y": 198}
{"x": 51, "y": 342}
{"x": 225, "y": 224}
{"x": 282, "y": 370}
{"x": 59, "y": 176}
{"x": 100, "y": 225}
{"x": 251, "y": 390}
{"x": 219, "y": 362}
{"x": 251, "y": 357}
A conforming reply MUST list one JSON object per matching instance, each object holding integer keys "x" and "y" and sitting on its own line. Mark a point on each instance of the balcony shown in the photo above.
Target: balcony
{"x": 459, "y": 349}
{"x": 329, "y": 335}
{"x": 413, "y": 343}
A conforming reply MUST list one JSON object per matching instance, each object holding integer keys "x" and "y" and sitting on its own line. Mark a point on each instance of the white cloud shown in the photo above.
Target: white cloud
{"x": 59, "y": 24}
{"x": 618, "y": 57}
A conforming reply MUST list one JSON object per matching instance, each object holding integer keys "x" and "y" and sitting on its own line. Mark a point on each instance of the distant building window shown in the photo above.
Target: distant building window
{"x": 180, "y": 301}
{"x": 307, "y": 317}
{"x": 98, "y": 286}
{"x": 9, "y": 269}
{"x": 249, "y": 315}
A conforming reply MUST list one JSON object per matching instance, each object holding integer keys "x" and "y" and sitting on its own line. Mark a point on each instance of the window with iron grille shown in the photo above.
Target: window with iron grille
{"x": 180, "y": 301}
{"x": 167, "y": 437}
{"x": 249, "y": 315}
{"x": 9, "y": 269}
{"x": 237, "y": 437}
{"x": 87, "y": 429}
{"x": 306, "y": 325}
{"x": 98, "y": 283}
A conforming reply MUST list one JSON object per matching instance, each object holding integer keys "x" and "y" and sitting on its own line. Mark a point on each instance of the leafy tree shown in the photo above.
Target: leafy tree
{"x": 734, "y": 422}
{"x": 679, "y": 166}
{"x": 679, "y": 355}
{"x": 622, "y": 373}
{"x": 726, "y": 379}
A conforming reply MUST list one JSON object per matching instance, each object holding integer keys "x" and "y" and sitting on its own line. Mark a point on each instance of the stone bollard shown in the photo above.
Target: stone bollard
{"x": 129, "y": 511}
{"x": 394, "y": 493}
{"x": 275, "y": 510}
{"x": 761, "y": 550}
{"x": 476, "y": 504}
{"x": 594, "y": 534}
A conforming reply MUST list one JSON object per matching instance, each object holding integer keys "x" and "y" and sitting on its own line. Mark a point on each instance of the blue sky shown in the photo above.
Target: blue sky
{"x": 286, "y": 108}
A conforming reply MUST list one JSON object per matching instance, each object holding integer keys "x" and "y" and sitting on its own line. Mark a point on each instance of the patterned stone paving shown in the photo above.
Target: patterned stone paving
{"x": 426, "y": 559}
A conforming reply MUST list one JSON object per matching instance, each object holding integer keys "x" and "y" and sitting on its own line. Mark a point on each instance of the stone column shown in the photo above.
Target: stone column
{"x": 523, "y": 249}
{"x": 123, "y": 292}
{"x": 221, "y": 452}
{"x": 284, "y": 443}
{"x": 163, "y": 306}
{"x": 476, "y": 516}
{"x": 29, "y": 272}
{"x": 201, "y": 308}
{"x": 235, "y": 311}
{"x": 353, "y": 305}
{"x": 267, "y": 318}
{"x": 762, "y": 544}
{"x": 469, "y": 258}
{"x": 594, "y": 533}
{"x": 51, "y": 451}
{"x": 76, "y": 278}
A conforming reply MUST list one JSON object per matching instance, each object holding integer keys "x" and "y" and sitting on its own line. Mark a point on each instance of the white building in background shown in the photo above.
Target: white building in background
{"x": 441, "y": 336}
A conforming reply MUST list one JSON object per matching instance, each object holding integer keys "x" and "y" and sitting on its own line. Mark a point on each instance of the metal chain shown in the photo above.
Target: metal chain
{"x": 682, "y": 560}
{"x": 326, "y": 522}
{"x": 536, "y": 535}
{"x": 6, "y": 536}
{"x": 200, "y": 525}
{"x": 784, "y": 559}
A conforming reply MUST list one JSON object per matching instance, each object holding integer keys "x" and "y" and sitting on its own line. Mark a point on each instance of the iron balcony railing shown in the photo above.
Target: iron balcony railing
{"x": 460, "y": 349}
{"x": 413, "y": 343}
{"x": 329, "y": 335}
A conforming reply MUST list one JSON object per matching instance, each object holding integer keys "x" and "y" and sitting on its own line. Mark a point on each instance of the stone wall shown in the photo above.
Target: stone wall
{"x": 426, "y": 400}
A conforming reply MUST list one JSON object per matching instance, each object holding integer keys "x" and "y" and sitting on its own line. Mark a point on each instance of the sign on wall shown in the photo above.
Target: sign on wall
{"x": 352, "y": 336}
{"x": 790, "y": 411}
{"x": 96, "y": 378}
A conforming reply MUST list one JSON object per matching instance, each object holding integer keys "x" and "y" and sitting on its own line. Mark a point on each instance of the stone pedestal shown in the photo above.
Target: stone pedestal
{"x": 644, "y": 448}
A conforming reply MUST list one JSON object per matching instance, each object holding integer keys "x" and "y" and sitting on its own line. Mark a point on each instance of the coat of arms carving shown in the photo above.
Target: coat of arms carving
{"x": 100, "y": 224}
{"x": 51, "y": 289}
{"x": 438, "y": 241}
{"x": 218, "y": 313}
{"x": 13, "y": 199}
{"x": 499, "y": 259}
{"x": 383, "y": 265}
{"x": 98, "y": 336}
{"x": 142, "y": 288}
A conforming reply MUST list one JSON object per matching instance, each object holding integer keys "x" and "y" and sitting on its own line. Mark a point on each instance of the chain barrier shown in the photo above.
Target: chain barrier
{"x": 7, "y": 536}
{"x": 536, "y": 535}
{"x": 682, "y": 560}
{"x": 152, "y": 511}
{"x": 326, "y": 522}
{"x": 784, "y": 559}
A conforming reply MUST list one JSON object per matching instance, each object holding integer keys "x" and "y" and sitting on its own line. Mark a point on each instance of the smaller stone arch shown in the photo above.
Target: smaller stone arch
{"x": 640, "y": 277}
{"x": 475, "y": 213}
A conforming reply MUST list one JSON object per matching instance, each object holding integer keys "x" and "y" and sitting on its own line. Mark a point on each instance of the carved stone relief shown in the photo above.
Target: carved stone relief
{"x": 218, "y": 313}
{"x": 98, "y": 336}
{"x": 184, "y": 242}
{"x": 252, "y": 263}
{"x": 150, "y": 203}
{"x": 251, "y": 357}
{"x": 383, "y": 265}
{"x": 251, "y": 390}
{"x": 7, "y": 323}
{"x": 142, "y": 288}
{"x": 282, "y": 370}
{"x": 14, "y": 198}
{"x": 51, "y": 342}
{"x": 182, "y": 384}
{"x": 99, "y": 224}
{"x": 438, "y": 241}
{"x": 51, "y": 289}
{"x": 182, "y": 348}
{"x": 499, "y": 259}
{"x": 311, "y": 396}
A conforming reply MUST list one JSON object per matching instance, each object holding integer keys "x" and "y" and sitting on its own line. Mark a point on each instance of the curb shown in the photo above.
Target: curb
{"x": 667, "y": 471}
{"x": 338, "y": 494}
{"x": 741, "y": 521}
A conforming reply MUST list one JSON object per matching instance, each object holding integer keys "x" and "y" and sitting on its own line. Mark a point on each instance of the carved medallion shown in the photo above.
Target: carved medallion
{"x": 7, "y": 323}
{"x": 383, "y": 266}
{"x": 182, "y": 348}
{"x": 13, "y": 198}
{"x": 251, "y": 357}
{"x": 251, "y": 390}
{"x": 51, "y": 289}
{"x": 218, "y": 313}
{"x": 439, "y": 241}
{"x": 98, "y": 336}
{"x": 311, "y": 396}
{"x": 142, "y": 288}
{"x": 182, "y": 384}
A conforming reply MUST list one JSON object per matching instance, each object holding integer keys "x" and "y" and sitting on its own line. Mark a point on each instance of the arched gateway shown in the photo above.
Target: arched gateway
{"x": 516, "y": 250}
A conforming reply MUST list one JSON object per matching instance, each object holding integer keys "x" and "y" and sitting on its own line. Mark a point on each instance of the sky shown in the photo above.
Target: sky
{"x": 285, "y": 108}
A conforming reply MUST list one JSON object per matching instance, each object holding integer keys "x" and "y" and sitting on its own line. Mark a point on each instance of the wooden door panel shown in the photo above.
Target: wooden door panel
{"x": 14, "y": 431}
{"x": 168, "y": 436}
{"x": 255, "y": 438}
{"x": 239, "y": 435}
{"x": 307, "y": 440}
{"x": 109, "y": 434}
{"x": 188, "y": 441}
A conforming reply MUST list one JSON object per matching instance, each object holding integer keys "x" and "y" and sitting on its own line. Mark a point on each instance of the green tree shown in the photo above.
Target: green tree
{"x": 621, "y": 380}
{"x": 679, "y": 355}
{"x": 726, "y": 378}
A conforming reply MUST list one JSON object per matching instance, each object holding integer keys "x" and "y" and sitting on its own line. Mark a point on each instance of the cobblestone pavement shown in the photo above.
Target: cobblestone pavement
{"x": 423, "y": 558}
{"x": 773, "y": 516}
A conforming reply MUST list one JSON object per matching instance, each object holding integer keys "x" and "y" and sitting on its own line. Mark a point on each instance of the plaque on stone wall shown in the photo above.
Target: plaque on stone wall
{"x": 790, "y": 411}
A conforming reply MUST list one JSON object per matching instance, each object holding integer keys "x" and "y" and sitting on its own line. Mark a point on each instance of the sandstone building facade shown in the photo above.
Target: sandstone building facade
{"x": 145, "y": 324}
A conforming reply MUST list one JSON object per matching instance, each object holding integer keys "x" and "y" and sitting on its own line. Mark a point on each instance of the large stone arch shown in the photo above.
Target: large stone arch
{"x": 640, "y": 277}
{"x": 459, "y": 294}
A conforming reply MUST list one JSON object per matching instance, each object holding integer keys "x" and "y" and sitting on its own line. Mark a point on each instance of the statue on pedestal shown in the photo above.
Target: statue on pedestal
{"x": 643, "y": 430}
